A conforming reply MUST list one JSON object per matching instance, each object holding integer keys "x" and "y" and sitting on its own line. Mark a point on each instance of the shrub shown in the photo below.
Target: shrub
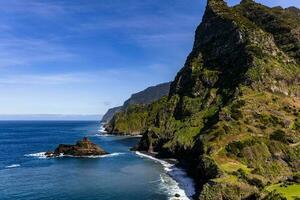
{"x": 235, "y": 148}
{"x": 274, "y": 196}
{"x": 256, "y": 182}
{"x": 279, "y": 135}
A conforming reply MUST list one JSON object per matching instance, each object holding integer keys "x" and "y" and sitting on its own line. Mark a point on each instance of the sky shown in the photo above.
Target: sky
{"x": 83, "y": 57}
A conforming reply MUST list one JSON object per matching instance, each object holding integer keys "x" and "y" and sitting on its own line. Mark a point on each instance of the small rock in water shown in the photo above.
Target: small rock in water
{"x": 177, "y": 195}
{"x": 83, "y": 147}
{"x": 49, "y": 154}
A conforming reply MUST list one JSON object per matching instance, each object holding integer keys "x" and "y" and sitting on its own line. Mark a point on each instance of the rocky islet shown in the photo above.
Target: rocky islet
{"x": 82, "y": 148}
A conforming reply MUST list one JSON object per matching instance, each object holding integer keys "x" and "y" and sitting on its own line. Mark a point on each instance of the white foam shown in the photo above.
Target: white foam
{"x": 41, "y": 155}
{"x": 100, "y": 156}
{"x": 111, "y": 135}
{"x": 102, "y": 129}
{"x": 112, "y": 155}
{"x": 167, "y": 166}
{"x": 13, "y": 166}
{"x": 103, "y": 135}
{"x": 175, "y": 181}
{"x": 137, "y": 136}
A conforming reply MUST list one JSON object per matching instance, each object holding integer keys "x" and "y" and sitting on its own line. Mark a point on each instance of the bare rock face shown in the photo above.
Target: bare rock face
{"x": 82, "y": 148}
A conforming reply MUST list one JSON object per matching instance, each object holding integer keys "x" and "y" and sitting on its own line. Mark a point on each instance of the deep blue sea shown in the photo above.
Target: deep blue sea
{"x": 124, "y": 175}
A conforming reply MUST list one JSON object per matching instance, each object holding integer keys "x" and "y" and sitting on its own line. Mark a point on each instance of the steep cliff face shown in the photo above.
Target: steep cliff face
{"x": 232, "y": 115}
{"x": 283, "y": 24}
{"x": 148, "y": 95}
{"x": 110, "y": 114}
{"x": 142, "y": 98}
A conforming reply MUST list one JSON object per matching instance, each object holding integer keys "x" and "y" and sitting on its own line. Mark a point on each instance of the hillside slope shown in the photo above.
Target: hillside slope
{"x": 148, "y": 95}
{"x": 233, "y": 113}
{"x": 110, "y": 114}
{"x": 144, "y": 97}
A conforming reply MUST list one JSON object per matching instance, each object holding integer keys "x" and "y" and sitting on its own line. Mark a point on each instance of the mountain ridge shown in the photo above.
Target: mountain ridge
{"x": 143, "y": 97}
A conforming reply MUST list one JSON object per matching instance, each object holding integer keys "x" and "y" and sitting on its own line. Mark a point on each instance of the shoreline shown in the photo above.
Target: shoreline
{"x": 103, "y": 132}
{"x": 184, "y": 185}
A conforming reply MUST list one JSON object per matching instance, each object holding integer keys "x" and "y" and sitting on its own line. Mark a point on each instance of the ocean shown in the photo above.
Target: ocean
{"x": 25, "y": 174}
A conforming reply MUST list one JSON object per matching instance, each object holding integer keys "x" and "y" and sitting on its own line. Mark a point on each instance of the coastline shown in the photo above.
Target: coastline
{"x": 177, "y": 181}
{"x": 183, "y": 185}
{"x": 103, "y": 132}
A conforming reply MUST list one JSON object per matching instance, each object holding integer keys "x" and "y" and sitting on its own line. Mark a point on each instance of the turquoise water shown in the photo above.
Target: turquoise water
{"x": 123, "y": 175}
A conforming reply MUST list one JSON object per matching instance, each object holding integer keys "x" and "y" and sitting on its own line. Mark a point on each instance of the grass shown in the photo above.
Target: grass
{"x": 230, "y": 167}
{"x": 291, "y": 192}
{"x": 227, "y": 179}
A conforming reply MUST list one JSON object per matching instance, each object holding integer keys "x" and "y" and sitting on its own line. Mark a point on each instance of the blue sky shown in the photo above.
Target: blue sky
{"x": 82, "y": 57}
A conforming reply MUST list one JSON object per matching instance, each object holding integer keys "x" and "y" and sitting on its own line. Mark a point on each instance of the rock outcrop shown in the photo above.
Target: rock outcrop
{"x": 232, "y": 116}
{"x": 82, "y": 148}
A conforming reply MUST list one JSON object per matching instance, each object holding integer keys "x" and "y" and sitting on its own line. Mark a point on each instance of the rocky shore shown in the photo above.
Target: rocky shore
{"x": 82, "y": 148}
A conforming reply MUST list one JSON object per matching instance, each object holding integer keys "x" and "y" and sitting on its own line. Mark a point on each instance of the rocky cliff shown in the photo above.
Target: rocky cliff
{"x": 144, "y": 97}
{"x": 232, "y": 116}
{"x": 110, "y": 114}
{"x": 148, "y": 95}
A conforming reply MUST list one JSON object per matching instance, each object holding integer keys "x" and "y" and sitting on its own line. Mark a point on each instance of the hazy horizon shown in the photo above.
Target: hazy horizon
{"x": 67, "y": 117}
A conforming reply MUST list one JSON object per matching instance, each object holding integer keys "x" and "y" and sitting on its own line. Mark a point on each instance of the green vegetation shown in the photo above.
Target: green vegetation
{"x": 291, "y": 192}
{"x": 280, "y": 136}
{"x": 232, "y": 115}
{"x": 231, "y": 167}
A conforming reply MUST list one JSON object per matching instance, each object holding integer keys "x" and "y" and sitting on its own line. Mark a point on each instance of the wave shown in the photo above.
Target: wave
{"x": 137, "y": 136}
{"x": 175, "y": 181}
{"x": 100, "y": 156}
{"x": 41, "y": 155}
{"x": 167, "y": 166}
{"x": 13, "y": 166}
{"x": 110, "y": 135}
{"x": 112, "y": 155}
{"x": 102, "y": 129}
{"x": 103, "y": 135}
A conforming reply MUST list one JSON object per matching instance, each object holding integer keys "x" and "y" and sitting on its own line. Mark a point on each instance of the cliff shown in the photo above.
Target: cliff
{"x": 232, "y": 115}
{"x": 110, "y": 114}
{"x": 148, "y": 95}
{"x": 144, "y": 97}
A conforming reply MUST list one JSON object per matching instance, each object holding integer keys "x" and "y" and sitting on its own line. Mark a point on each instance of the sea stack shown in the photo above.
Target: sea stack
{"x": 82, "y": 148}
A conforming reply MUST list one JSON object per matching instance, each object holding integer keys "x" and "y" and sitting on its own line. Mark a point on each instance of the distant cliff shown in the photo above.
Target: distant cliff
{"x": 144, "y": 97}
{"x": 148, "y": 95}
{"x": 110, "y": 113}
{"x": 232, "y": 116}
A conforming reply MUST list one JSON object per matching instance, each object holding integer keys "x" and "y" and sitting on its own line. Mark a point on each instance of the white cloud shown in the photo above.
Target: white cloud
{"x": 102, "y": 77}
{"x": 20, "y": 51}
{"x": 47, "y": 79}
{"x": 40, "y": 8}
